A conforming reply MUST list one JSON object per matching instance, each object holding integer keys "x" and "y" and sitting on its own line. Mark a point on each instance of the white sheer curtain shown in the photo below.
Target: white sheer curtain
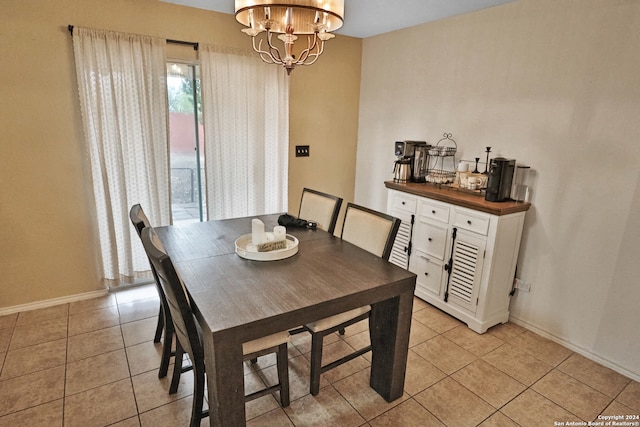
{"x": 246, "y": 127}
{"x": 123, "y": 101}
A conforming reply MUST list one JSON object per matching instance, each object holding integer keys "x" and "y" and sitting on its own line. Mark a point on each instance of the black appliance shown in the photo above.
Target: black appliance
{"x": 500, "y": 178}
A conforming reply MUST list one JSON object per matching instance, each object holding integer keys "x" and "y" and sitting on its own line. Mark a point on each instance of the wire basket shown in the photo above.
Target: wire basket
{"x": 442, "y": 161}
{"x": 442, "y": 151}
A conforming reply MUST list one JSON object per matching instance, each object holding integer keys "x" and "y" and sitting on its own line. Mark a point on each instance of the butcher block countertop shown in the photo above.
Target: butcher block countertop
{"x": 459, "y": 198}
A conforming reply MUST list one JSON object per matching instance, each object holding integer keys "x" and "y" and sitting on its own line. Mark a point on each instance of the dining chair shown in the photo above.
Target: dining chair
{"x": 323, "y": 209}
{"x": 165, "y": 324}
{"x": 374, "y": 232}
{"x": 188, "y": 335}
{"x": 320, "y": 207}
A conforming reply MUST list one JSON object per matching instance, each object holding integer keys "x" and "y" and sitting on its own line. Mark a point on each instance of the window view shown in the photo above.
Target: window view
{"x": 185, "y": 136}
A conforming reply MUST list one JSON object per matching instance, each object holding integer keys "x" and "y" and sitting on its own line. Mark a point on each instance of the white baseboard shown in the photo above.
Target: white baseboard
{"x": 580, "y": 350}
{"x": 51, "y": 302}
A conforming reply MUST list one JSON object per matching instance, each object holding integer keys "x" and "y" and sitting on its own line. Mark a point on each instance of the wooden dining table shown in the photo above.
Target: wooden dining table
{"x": 236, "y": 300}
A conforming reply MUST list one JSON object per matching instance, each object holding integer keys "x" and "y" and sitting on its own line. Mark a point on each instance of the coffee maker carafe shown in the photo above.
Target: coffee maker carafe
{"x": 402, "y": 171}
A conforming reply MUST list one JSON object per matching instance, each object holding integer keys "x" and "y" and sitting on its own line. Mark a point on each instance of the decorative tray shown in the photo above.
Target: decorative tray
{"x": 246, "y": 249}
{"x": 457, "y": 187}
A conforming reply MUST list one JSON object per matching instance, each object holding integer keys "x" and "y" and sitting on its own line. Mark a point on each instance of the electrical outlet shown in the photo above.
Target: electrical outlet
{"x": 302, "y": 151}
{"x": 522, "y": 285}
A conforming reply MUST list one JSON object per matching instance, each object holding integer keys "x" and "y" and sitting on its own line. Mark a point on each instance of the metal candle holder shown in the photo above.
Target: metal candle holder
{"x": 486, "y": 166}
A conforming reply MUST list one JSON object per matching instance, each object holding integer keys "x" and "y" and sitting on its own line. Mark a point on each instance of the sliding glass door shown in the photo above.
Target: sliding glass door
{"x": 186, "y": 135}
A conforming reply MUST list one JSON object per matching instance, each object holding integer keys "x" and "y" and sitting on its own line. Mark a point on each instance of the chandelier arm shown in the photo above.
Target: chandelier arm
{"x": 266, "y": 58}
{"x": 274, "y": 52}
{"x": 315, "y": 55}
{"x": 314, "y": 58}
{"x": 264, "y": 55}
{"x": 309, "y": 50}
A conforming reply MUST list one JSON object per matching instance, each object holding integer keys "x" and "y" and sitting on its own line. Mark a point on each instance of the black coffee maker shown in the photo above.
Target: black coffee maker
{"x": 500, "y": 178}
{"x": 415, "y": 154}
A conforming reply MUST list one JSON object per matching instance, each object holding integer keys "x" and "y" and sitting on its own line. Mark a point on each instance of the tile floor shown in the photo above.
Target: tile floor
{"x": 93, "y": 363}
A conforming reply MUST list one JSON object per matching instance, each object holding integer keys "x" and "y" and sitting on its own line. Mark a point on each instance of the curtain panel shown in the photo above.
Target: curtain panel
{"x": 123, "y": 100}
{"x": 246, "y": 127}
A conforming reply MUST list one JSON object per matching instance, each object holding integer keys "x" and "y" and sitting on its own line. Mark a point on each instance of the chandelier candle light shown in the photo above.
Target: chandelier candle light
{"x": 315, "y": 19}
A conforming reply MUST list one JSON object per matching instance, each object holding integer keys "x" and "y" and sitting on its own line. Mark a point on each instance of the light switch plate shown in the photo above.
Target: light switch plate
{"x": 302, "y": 151}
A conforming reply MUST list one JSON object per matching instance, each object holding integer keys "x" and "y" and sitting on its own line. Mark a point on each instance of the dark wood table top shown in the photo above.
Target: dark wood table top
{"x": 230, "y": 292}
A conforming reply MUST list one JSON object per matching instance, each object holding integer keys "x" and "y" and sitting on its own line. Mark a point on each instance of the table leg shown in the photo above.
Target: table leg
{"x": 389, "y": 327}
{"x": 225, "y": 382}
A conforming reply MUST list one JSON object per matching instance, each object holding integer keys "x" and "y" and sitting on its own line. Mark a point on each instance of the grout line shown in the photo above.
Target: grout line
{"x": 126, "y": 356}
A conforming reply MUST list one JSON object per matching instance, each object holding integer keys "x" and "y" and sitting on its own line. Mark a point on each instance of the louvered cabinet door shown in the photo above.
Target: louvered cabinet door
{"x": 401, "y": 246}
{"x": 402, "y": 206}
{"x": 466, "y": 271}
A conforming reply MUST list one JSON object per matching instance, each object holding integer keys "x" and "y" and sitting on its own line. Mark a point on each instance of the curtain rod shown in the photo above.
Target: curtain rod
{"x": 194, "y": 44}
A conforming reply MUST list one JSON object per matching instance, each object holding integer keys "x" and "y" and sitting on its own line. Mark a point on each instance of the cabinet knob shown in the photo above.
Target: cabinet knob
{"x": 469, "y": 222}
{"x": 429, "y": 239}
{"x": 426, "y": 273}
{"x": 403, "y": 203}
{"x": 433, "y": 211}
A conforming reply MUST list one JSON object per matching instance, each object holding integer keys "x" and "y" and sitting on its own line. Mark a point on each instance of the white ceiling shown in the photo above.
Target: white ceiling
{"x": 366, "y": 18}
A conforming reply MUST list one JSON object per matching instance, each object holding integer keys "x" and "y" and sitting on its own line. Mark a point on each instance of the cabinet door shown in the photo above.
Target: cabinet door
{"x": 466, "y": 270}
{"x": 402, "y": 245}
{"x": 402, "y": 206}
{"x": 429, "y": 272}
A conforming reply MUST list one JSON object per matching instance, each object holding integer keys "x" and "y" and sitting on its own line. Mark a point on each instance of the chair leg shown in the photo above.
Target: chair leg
{"x": 283, "y": 374}
{"x": 198, "y": 394}
{"x": 341, "y": 331}
{"x": 160, "y": 325}
{"x": 166, "y": 351}
{"x": 177, "y": 368}
{"x": 316, "y": 363}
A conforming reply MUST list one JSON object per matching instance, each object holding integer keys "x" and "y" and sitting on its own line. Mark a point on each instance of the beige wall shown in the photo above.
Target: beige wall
{"x": 324, "y": 116}
{"x": 555, "y": 85}
{"x": 46, "y": 232}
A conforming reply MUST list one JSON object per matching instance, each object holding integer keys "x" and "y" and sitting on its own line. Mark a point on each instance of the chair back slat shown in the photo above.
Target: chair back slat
{"x": 370, "y": 230}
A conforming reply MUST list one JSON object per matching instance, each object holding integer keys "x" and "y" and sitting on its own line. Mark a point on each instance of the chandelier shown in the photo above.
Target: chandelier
{"x": 315, "y": 19}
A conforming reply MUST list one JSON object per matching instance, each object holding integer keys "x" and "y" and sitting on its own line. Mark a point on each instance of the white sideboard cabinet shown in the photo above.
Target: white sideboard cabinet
{"x": 463, "y": 249}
